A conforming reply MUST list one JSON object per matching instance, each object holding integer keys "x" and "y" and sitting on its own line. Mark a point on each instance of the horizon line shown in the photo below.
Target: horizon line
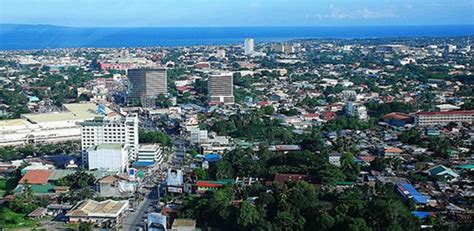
{"x": 236, "y": 26}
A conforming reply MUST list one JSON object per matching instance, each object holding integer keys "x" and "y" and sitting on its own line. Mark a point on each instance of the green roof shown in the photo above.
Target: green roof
{"x": 344, "y": 183}
{"x": 465, "y": 166}
{"x": 42, "y": 189}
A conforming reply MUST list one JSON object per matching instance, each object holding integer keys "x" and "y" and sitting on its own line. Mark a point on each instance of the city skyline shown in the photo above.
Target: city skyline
{"x": 210, "y": 13}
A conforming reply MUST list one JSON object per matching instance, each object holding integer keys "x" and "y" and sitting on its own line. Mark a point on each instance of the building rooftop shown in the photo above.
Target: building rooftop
{"x": 184, "y": 223}
{"x": 428, "y": 113}
{"x": 108, "y": 208}
{"x": 36, "y": 177}
{"x": 75, "y": 111}
{"x": 13, "y": 122}
{"x": 106, "y": 146}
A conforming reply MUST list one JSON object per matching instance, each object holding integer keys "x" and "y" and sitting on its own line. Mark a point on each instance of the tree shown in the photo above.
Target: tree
{"x": 248, "y": 216}
{"x": 269, "y": 110}
{"x": 201, "y": 173}
{"x": 412, "y": 137}
{"x": 224, "y": 170}
{"x": 350, "y": 169}
{"x": 77, "y": 180}
{"x": 220, "y": 204}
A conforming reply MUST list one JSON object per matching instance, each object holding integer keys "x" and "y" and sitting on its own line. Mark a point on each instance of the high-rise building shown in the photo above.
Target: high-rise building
{"x": 221, "y": 88}
{"x": 105, "y": 130}
{"x": 249, "y": 46}
{"x": 147, "y": 83}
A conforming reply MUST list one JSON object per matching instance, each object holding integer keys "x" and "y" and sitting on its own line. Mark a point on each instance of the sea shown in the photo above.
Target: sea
{"x": 25, "y": 37}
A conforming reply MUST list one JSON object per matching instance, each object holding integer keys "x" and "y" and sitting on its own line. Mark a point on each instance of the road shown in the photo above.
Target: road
{"x": 135, "y": 219}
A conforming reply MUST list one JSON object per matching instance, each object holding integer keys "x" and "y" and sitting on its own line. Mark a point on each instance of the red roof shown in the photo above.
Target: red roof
{"x": 208, "y": 184}
{"x": 36, "y": 177}
{"x": 311, "y": 115}
{"x": 282, "y": 178}
{"x": 397, "y": 116}
{"x": 263, "y": 103}
{"x": 329, "y": 115}
{"x": 428, "y": 113}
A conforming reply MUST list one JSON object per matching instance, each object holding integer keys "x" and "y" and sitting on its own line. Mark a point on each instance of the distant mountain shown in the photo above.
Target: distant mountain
{"x": 13, "y": 26}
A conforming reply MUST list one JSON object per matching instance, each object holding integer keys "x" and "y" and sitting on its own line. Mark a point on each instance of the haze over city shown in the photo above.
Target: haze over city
{"x": 202, "y": 13}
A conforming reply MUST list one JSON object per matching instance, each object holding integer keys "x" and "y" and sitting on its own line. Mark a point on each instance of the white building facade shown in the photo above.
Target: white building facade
{"x": 150, "y": 153}
{"x": 104, "y": 130}
{"x": 110, "y": 157}
{"x": 249, "y": 45}
{"x": 443, "y": 117}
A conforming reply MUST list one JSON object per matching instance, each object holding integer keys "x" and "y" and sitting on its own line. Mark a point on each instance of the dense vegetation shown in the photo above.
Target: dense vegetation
{"x": 146, "y": 136}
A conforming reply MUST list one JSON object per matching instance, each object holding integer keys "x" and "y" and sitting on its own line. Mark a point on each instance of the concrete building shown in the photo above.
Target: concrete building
{"x": 198, "y": 136}
{"x": 50, "y": 127}
{"x": 110, "y": 157}
{"x": 106, "y": 130}
{"x": 116, "y": 186}
{"x": 221, "y": 88}
{"x": 249, "y": 46}
{"x": 356, "y": 110}
{"x": 146, "y": 84}
{"x": 183, "y": 225}
{"x": 443, "y": 117}
{"x": 91, "y": 211}
{"x": 150, "y": 153}
{"x": 283, "y": 47}
{"x": 335, "y": 159}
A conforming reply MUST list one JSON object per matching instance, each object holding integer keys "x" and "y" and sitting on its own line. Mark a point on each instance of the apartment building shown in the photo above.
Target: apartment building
{"x": 443, "y": 117}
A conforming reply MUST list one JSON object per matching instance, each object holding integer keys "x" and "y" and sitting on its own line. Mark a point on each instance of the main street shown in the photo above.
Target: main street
{"x": 135, "y": 219}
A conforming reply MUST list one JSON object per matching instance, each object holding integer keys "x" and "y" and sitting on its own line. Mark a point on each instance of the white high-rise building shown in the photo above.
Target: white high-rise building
{"x": 109, "y": 157}
{"x": 249, "y": 46}
{"x": 221, "y": 88}
{"x": 105, "y": 130}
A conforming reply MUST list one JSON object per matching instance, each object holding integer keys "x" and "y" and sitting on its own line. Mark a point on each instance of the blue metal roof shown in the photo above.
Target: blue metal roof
{"x": 421, "y": 214}
{"x": 144, "y": 163}
{"x": 410, "y": 192}
{"x": 212, "y": 157}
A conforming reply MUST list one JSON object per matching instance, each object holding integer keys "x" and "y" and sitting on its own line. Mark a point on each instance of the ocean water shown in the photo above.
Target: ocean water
{"x": 16, "y": 37}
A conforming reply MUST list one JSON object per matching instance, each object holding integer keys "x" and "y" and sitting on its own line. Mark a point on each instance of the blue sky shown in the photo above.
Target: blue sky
{"x": 156, "y": 13}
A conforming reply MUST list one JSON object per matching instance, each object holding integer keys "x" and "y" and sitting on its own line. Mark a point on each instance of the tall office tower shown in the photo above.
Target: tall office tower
{"x": 249, "y": 46}
{"x": 221, "y": 88}
{"x": 145, "y": 84}
{"x": 110, "y": 130}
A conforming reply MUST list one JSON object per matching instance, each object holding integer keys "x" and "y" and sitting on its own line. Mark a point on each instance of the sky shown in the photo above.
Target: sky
{"x": 171, "y": 13}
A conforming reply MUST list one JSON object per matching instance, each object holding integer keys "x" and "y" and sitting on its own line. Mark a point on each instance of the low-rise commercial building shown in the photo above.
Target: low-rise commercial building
{"x": 91, "y": 211}
{"x": 50, "y": 127}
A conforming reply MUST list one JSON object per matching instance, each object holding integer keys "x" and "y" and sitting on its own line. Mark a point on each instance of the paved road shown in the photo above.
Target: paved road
{"x": 135, "y": 219}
